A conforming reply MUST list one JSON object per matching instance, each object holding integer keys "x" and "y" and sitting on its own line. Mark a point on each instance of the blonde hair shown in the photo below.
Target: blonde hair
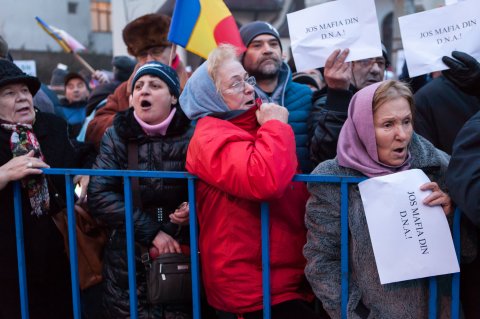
{"x": 219, "y": 56}
{"x": 391, "y": 90}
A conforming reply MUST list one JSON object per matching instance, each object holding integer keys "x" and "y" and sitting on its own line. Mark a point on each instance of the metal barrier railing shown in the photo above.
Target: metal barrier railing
{"x": 127, "y": 174}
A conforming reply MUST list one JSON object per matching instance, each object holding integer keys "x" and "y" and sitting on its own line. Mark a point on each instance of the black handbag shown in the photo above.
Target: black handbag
{"x": 169, "y": 279}
{"x": 168, "y": 276}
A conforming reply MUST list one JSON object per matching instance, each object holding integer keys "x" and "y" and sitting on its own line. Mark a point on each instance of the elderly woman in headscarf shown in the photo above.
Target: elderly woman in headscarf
{"x": 31, "y": 140}
{"x": 377, "y": 139}
{"x": 244, "y": 154}
{"x": 155, "y": 132}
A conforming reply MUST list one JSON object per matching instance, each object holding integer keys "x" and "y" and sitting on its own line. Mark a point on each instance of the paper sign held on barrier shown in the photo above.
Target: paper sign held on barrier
{"x": 410, "y": 240}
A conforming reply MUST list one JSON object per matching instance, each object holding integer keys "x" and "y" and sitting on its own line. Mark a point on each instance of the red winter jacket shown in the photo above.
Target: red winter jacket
{"x": 239, "y": 165}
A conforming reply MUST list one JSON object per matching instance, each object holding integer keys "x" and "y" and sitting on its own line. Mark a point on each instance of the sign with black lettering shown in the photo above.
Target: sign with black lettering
{"x": 317, "y": 31}
{"x": 428, "y": 36}
{"x": 410, "y": 240}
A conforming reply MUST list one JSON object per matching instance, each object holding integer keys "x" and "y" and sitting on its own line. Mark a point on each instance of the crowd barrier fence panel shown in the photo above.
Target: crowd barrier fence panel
{"x": 126, "y": 175}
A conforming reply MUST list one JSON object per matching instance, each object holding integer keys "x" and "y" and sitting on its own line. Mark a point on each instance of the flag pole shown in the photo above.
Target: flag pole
{"x": 172, "y": 52}
{"x": 83, "y": 62}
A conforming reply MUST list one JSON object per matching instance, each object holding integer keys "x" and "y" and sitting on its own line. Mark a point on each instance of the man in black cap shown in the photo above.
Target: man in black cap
{"x": 72, "y": 107}
{"x": 263, "y": 60}
{"x": 330, "y": 104}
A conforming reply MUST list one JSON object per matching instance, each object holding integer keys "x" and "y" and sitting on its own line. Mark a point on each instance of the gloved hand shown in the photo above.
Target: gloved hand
{"x": 464, "y": 72}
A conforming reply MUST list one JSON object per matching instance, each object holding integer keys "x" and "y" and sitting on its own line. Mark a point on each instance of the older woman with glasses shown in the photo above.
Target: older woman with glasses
{"x": 244, "y": 154}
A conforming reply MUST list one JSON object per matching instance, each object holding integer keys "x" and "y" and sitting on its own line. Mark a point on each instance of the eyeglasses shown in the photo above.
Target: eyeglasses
{"x": 154, "y": 52}
{"x": 368, "y": 63}
{"x": 239, "y": 86}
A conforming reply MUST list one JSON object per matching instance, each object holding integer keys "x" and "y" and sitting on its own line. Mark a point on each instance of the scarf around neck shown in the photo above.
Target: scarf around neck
{"x": 22, "y": 141}
{"x": 157, "y": 129}
{"x": 357, "y": 145}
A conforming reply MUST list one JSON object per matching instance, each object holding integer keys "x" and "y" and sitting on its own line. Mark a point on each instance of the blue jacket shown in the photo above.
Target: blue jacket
{"x": 74, "y": 113}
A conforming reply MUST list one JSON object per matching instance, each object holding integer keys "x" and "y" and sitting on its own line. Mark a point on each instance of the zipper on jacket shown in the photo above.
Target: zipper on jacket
{"x": 160, "y": 214}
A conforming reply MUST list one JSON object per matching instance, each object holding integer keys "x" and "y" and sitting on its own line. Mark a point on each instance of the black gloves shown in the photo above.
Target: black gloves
{"x": 464, "y": 72}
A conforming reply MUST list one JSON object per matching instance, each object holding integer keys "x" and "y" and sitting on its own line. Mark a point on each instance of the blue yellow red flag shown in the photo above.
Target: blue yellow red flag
{"x": 66, "y": 41}
{"x": 201, "y": 25}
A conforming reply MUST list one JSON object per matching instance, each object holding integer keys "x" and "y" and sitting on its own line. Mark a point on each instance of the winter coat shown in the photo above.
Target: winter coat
{"x": 239, "y": 165}
{"x": 407, "y": 299}
{"x": 47, "y": 266}
{"x": 116, "y": 102}
{"x": 329, "y": 112}
{"x": 463, "y": 176}
{"x": 74, "y": 113}
{"x": 159, "y": 198}
{"x": 297, "y": 98}
{"x": 441, "y": 111}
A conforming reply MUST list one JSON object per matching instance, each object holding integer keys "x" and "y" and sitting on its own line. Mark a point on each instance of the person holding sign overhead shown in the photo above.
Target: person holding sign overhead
{"x": 377, "y": 139}
{"x": 463, "y": 171}
{"x": 330, "y": 105}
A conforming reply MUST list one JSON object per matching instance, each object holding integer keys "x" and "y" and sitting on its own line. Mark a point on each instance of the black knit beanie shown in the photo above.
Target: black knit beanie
{"x": 164, "y": 72}
{"x": 251, "y": 30}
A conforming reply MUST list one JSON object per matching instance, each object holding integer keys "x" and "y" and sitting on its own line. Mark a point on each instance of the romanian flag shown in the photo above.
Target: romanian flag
{"x": 201, "y": 25}
{"x": 66, "y": 41}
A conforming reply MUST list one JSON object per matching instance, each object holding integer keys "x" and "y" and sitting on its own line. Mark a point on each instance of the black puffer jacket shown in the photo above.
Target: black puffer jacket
{"x": 329, "y": 113}
{"x": 106, "y": 201}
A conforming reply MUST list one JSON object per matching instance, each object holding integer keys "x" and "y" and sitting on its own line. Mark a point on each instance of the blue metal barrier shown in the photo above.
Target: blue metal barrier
{"x": 127, "y": 175}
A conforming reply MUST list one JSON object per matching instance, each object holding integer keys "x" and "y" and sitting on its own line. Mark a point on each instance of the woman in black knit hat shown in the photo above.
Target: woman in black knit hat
{"x": 157, "y": 133}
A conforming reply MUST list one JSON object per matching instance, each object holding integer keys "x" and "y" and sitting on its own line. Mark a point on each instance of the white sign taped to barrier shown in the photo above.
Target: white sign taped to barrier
{"x": 410, "y": 240}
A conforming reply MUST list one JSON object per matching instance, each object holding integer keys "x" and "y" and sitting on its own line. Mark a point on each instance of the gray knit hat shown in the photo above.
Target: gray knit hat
{"x": 164, "y": 72}
{"x": 251, "y": 30}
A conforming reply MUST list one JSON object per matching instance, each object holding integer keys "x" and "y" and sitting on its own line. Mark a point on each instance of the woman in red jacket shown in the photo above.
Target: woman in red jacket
{"x": 245, "y": 154}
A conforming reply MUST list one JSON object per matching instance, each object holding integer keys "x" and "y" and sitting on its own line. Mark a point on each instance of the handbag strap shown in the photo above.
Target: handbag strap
{"x": 133, "y": 165}
{"x": 132, "y": 149}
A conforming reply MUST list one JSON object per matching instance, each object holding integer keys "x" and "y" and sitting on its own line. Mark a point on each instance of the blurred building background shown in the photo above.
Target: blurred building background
{"x": 97, "y": 24}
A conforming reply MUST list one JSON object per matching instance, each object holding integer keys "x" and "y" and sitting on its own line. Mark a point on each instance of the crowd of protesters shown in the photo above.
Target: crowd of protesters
{"x": 244, "y": 125}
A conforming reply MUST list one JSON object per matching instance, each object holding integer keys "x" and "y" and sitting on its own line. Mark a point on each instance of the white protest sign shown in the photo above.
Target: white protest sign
{"x": 429, "y": 35}
{"x": 449, "y": 2}
{"x": 410, "y": 240}
{"x": 27, "y": 66}
{"x": 317, "y": 31}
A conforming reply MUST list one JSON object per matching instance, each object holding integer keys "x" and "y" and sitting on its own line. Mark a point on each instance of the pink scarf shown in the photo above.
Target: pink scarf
{"x": 357, "y": 145}
{"x": 157, "y": 129}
